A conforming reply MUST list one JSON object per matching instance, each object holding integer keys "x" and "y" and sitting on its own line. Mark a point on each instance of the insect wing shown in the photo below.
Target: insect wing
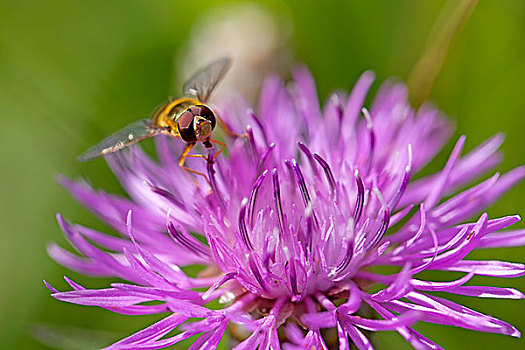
{"x": 204, "y": 81}
{"x": 130, "y": 134}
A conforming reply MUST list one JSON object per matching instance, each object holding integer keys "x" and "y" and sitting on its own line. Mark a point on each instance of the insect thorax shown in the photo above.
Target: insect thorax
{"x": 168, "y": 114}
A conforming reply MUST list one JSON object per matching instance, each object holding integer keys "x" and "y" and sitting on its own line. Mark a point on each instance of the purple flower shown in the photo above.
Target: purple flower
{"x": 299, "y": 216}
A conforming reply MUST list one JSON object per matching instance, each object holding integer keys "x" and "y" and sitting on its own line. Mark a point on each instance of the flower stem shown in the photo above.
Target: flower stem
{"x": 451, "y": 19}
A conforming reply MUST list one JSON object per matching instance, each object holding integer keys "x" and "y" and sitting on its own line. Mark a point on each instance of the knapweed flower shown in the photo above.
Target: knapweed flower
{"x": 294, "y": 226}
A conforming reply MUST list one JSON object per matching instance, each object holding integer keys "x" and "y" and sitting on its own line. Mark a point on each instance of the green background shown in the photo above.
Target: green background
{"x": 73, "y": 71}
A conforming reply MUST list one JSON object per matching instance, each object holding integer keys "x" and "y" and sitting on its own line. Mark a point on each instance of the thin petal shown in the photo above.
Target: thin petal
{"x": 488, "y": 268}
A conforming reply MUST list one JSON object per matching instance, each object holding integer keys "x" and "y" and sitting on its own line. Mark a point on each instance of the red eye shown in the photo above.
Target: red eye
{"x": 185, "y": 126}
{"x": 186, "y": 120}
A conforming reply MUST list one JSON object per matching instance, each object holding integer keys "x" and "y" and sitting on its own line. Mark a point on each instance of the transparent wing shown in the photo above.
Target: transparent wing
{"x": 203, "y": 82}
{"x": 130, "y": 134}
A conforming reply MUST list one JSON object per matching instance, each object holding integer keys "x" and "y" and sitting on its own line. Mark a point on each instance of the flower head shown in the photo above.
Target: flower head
{"x": 293, "y": 224}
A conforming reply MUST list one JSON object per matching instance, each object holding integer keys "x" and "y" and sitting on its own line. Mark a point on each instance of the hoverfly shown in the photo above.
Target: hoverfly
{"x": 187, "y": 118}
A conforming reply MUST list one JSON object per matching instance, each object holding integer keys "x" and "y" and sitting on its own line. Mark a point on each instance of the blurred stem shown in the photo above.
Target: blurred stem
{"x": 454, "y": 15}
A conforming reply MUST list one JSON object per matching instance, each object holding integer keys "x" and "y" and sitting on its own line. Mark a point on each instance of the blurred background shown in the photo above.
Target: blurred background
{"x": 73, "y": 71}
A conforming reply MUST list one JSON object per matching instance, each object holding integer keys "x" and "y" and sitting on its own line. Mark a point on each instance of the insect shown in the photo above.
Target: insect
{"x": 187, "y": 118}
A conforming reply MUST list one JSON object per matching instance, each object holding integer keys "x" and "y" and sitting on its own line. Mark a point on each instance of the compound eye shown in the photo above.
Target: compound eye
{"x": 204, "y": 111}
{"x": 185, "y": 126}
{"x": 201, "y": 110}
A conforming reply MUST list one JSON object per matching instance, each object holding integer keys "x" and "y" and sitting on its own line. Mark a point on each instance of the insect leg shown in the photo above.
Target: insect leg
{"x": 183, "y": 157}
{"x": 227, "y": 129}
{"x": 198, "y": 155}
{"x": 222, "y": 144}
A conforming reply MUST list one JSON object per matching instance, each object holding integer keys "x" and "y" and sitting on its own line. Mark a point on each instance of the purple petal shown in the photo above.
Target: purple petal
{"x": 440, "y": 183}
{"x": 399, "y": 288}
{"x": 319, "y": 320}
{"x": 488, "y": 268}
{"x": 50, "y": 287}
{"x": 357, "y": 97}
{"x": 418, "y": 341}
{"x": 487, "y": 292}
{"x": 76, "y": 263}
{"x": 359, "y": 339}
{"x": 404, "y": 320}
{"x": 109, "y": 297}
{"x": 153, "y": 332}
{"x": 503, "y": 239}
{"x": 440, "y": 286}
